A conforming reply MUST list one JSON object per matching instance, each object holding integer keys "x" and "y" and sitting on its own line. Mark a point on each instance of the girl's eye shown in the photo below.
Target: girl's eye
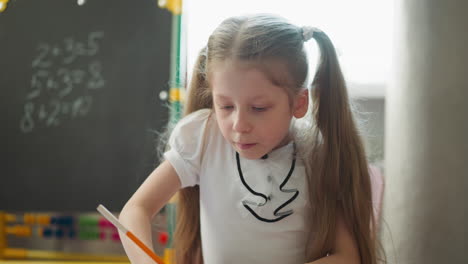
{"x": 227, "y": 107}
{"x": 259, "y": 109}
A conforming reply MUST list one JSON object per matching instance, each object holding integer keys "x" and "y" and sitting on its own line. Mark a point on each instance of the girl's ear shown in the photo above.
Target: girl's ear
{"x": 301, "y": 103}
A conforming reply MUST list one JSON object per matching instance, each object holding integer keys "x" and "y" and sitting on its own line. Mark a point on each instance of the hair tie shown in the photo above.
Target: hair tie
{"x": 308, "y": 32}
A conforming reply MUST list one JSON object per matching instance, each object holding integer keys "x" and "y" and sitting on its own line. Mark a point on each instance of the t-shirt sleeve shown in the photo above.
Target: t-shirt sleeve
{"x": 186, "y": 146}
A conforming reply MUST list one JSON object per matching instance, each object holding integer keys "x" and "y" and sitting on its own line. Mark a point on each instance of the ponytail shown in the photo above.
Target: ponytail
{"x": 341, "y": 187}
{"x": 187, "y": 235}
{"x": 199, "y": 96}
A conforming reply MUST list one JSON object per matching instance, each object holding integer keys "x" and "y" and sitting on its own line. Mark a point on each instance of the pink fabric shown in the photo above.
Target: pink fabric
{"x": 377, "y": 185}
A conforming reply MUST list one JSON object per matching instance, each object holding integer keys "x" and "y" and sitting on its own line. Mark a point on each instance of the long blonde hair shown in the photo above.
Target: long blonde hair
{"x": 337, "y": 169}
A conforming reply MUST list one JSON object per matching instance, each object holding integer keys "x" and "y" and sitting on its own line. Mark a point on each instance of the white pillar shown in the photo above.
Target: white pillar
{"x": 426, "y": 136}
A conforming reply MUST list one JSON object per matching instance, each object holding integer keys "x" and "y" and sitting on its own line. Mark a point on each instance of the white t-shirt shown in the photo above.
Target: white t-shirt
{"x": 237, "y": 224}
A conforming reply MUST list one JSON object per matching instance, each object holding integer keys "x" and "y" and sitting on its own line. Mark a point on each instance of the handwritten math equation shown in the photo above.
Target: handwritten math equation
{"x": 65, "y": 77}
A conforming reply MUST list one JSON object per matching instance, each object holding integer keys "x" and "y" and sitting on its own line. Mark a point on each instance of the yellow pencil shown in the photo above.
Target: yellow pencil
{"x": 109, "y": 216}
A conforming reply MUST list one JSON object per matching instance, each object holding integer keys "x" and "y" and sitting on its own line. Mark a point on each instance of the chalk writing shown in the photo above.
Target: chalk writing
{"x": 64, "y": 79}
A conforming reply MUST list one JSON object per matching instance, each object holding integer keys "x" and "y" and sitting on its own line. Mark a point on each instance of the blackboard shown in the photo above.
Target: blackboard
{"x": 80, "y": 101}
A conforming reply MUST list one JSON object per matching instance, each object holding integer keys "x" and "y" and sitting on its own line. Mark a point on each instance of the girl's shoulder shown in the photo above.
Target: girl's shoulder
{"x": 188, "y": 144}
{"x": 197, "y": 116}
{"x": 194, "y": 121}
{"x": 193, "y": 129}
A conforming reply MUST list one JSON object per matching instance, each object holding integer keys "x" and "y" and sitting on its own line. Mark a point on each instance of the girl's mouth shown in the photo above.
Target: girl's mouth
{"x": 245, "y": 146}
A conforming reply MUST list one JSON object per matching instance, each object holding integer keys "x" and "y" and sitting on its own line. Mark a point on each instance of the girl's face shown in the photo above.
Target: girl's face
{"x": 252, "y": 113}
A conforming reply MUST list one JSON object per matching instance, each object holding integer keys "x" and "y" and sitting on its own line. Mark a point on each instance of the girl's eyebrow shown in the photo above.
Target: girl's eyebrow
{"x": 224, "y": 97}
{"x": 220, "y": 96}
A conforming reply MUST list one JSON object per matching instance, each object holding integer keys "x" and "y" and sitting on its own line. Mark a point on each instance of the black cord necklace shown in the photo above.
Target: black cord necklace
{"x": 277, "y": 213}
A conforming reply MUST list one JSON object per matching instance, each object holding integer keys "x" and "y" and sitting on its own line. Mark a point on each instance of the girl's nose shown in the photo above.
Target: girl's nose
{"x": 241, "y": 123}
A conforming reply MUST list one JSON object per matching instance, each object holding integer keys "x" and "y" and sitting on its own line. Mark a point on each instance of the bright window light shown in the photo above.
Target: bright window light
{"x": 360, "y": 29}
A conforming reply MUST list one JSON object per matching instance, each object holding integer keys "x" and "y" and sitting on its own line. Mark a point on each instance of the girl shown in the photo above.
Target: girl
{"x": 256, "y": 186}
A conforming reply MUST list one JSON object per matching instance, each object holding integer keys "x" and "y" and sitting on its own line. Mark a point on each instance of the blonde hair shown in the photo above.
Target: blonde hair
{"x": 332, "y": 150}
